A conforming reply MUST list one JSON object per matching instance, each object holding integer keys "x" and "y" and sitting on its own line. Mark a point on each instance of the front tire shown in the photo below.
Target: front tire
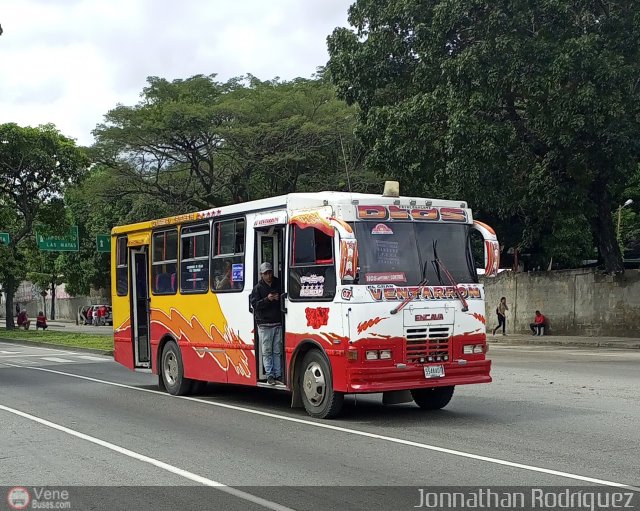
{"x": 172, "y": 371}
{"x": 434, "y": 398}
{"x": 316, "y": 387}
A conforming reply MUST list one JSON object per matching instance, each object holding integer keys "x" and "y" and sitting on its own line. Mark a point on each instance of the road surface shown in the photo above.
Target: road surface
{"x": 552, "y": 417}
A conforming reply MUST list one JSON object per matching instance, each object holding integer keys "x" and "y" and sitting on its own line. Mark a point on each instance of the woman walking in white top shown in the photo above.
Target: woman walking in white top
{"x": 501, "y": 311}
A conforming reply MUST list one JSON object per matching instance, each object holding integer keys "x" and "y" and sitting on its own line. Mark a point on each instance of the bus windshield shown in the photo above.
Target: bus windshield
{"x": 398, "y": 253}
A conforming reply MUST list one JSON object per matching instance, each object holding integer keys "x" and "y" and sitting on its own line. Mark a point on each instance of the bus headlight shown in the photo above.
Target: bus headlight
{"x": 371, "y": 355}
{"x": 385, "y": 354}
{"x": 468, "y": 349}
{"x": 478, "y": 348}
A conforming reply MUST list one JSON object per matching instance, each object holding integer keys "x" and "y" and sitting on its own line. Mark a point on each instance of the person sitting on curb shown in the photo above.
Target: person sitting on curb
{"x": 537, "y": 327}
{"x": 23, "y": 320}
{"x": 41, "y": 321}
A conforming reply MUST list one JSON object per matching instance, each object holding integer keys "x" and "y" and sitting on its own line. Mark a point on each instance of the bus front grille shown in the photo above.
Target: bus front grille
{"x": 427, "y": 344}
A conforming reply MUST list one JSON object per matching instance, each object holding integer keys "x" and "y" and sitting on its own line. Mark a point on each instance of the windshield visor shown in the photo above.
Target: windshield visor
{"x": 398, "y": 252}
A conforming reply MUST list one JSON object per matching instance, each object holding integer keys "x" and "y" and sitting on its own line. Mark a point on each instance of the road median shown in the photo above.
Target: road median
{"x": 91, "y": 343}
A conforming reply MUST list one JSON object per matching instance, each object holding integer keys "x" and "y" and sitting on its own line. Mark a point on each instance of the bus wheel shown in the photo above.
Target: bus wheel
{"x": 318, "y": 396}
{"x": 172, "y": 371}
{"x": 433, "y": 398}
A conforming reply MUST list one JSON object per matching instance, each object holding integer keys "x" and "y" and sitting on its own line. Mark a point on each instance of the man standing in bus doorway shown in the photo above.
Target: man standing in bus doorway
{"x": 265, "y": 300}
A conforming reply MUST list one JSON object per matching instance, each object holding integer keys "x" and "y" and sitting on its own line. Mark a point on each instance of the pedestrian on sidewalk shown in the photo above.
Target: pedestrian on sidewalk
{"x": 501, "y": 311}
{"x": 23, "y": 320}
{"x": 537, "y": 327}
{"x": 41, "y": 321}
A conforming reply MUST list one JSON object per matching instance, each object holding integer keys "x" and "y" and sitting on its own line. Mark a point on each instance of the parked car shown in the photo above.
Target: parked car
{"x": 106, "y": 320}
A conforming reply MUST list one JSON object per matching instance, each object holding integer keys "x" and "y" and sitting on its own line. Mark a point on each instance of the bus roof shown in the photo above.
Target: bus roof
{"x": 292, "y": 201}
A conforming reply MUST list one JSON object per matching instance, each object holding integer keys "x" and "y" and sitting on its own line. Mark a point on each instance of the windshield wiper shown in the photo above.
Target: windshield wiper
{"x": 435, "y": 261}
{"x": 439, "y": 264}
{"x": 408, "y": 299}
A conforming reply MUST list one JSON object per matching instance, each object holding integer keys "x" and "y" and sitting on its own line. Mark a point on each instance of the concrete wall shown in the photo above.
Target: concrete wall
{"x": 29, "y": 298}
{"x": 575, "y": 302}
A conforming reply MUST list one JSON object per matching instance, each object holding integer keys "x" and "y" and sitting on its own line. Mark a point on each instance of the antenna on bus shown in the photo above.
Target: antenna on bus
{"x": 346, "y": 167}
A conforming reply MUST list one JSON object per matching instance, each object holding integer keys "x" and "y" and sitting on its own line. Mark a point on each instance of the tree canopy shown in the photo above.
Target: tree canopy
{"x": 530, "y": 111}
{"x": 198, "y": 142}
{"x": 36, "y": 166}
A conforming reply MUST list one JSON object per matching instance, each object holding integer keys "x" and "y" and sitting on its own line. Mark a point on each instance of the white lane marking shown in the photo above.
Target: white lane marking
{"x": 356, "y": 432}
{"x": 152, "y": 461}
{"x": 99, "y": 359}
{"x": 30, "y": 347}
{"x": 56, "y": 359}
{"x": 39, "y": 355}
{"x": 22, "y": 362}
{"x": 9, "y": 352}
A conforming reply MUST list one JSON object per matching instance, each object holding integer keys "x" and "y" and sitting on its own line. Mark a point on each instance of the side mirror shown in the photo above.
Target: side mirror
{"x": 491, "y": 248}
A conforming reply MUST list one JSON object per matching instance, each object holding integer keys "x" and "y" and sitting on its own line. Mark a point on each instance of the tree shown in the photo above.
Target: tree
{"x": 167, "y": 145}
{"x": 93, "y": 205}
{"x": 36, "y": 165}
{"x": 44, "y": 270}
{"x": 197, "y": 143}
{"x": 290, "y": 136}
{"x": 527, "y": 109}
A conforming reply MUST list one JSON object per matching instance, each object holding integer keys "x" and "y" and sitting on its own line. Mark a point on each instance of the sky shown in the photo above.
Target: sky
{"x": 68, "y": 62}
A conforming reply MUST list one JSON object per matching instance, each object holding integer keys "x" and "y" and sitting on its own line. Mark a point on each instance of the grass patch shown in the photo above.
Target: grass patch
{"x": 71, "y": 339}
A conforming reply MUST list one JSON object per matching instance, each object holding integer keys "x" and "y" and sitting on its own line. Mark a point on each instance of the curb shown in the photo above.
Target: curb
{"x": 65, "y": 347}
{"x": 624, "y": 345}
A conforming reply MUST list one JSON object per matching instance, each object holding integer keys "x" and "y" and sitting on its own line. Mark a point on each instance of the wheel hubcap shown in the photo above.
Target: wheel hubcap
{"x": 314, "y": 384}
{"x": 170, "y": 368}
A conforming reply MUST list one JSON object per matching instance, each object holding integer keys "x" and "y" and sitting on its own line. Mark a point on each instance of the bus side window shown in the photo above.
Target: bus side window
{"x": 312, "y": 272}
{"x": 194, "y": 259}
{"x": 122, "y": 267}
{"x": 164, "y": 262}
{"x": 227, "y": 256}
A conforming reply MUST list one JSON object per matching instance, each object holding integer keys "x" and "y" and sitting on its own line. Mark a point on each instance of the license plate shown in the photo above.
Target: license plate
{"x": 433, "y": 371}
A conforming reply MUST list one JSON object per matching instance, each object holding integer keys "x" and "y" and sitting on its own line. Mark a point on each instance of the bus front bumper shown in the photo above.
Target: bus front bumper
{"x": 384, "y": 379}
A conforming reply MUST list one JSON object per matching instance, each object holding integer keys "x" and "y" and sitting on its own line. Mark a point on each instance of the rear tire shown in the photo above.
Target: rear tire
{"x": 434, "y": 398}
{"x": 316, "y": 387}
{"x": 172, "y": 371}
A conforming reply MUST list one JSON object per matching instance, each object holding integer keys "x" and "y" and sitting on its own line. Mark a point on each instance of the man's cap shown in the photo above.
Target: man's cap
{"x": 265, "y": 267}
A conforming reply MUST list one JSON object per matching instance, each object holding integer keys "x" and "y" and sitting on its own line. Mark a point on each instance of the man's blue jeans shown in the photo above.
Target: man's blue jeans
{"x": 271, "y": 348}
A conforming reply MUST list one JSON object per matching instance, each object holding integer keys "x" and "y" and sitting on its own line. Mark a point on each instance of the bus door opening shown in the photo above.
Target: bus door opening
{"x": 270, "y": 249}
{"x": 140, "y": 307}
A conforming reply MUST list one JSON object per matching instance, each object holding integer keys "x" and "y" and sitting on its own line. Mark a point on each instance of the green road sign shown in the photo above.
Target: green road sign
{"x": 68, "y": 243}
{"x": 4, "y": 238}
{"x": 103, "y": 242}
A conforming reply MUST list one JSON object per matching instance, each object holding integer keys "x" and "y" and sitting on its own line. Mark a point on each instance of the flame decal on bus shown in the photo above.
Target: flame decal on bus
{"x": 480, "y": 318}
{"x": 368, "y": 324}
{"x": 232, "y": 348}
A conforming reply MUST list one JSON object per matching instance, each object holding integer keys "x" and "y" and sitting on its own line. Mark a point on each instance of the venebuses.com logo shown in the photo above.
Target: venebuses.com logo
{"x": 18, "y": 498}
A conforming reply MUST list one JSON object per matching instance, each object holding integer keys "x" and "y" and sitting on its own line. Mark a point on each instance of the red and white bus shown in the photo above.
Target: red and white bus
{"x": 381, "y": 295}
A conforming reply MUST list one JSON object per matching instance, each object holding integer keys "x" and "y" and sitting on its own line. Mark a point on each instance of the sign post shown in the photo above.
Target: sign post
{"x": 68, "y": 243}
{"x": 103, "y": 242}
{"x": 4, "y": 238}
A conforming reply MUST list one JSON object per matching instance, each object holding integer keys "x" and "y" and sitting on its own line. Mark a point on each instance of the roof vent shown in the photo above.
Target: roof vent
{"x": 391, "y": 189}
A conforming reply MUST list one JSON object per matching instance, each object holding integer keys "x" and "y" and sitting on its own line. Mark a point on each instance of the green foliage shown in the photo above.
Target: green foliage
{"x": 196, "y": 143}
{"x": 521, "y": 108}
{"x": 69, "y": 340}
{"x": 36, "y": 165}
{"x": 630, "y": 219}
